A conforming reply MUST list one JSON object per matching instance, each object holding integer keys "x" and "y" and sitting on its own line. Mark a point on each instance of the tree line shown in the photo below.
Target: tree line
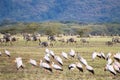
{"x": 52, "y": 28}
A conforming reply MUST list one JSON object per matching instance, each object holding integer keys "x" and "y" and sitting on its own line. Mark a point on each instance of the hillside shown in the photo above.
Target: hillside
{"x": 60, "y": 10}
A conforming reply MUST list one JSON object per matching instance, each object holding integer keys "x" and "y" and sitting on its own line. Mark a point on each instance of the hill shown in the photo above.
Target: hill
{"x": 60, "y": 10}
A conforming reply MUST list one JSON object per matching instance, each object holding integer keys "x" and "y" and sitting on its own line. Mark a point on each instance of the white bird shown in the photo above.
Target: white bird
{"x": 7, "y": 53}
{"x": 79, "y": 67}
{"x": 72, "y": 53}
{"x": 59, "y": 60}
{"x": 109, "y": 61}
{"x": 90, "y": 69}
{"x": 117, "y": 56}
{"x": 117, "y": 63}
{"x": 45, "y": 66}
{"x": 52, "y": 53}
{"x": 64, "y": 55}
{"x": 19, "y": 63}
{"x": 56, "y": 67}
{"x": 99, "y": 55}
{"x": 33, "y": 62}
{"x": 72, "y": 66}
{"x": 47, "y": 59}
{"x": 83, "y": 61}
{"x": 94, "y": 54}
{"x": 108, "y": 56}
{"x": 110, "y": 68}
{"x": 47, "y": 51}
{"x": 102, "y": 55}
{"x": 116, "y": 67}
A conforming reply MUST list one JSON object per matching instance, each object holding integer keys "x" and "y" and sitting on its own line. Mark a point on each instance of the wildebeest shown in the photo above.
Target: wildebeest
{"x": 83, "y": 40}
{"x": 51, "y": 38}
{"x": 45, "y": 43}
{"x": 30, "y": 37}
{"x": 2, "y": 40}
{"x": 8, "y": 38}
{"x": 116, "y": 39}
{"x": 72, "y": 40}
{"x": 109, "y": 43}
{"x": 13, "y": 39}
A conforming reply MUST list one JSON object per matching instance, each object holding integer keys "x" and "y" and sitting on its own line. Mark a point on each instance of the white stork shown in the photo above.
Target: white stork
{"x": 47, "y": 51}
{"x": 83, "y": 61}
{"x": 110, "y": 68}
{"x": 116, "y": 66}
{"x": 72, "y": 53}
{"x": 59, "y": 60}
{"x": 94, "y": 54}
{"x": 90, "y": 69}
{"x": 7, "y": 53}
{"x": 47, "y": 59}
{"x": 45, "y": 66}
{"x": 117, "y": 56}
{"x": 117, "y": 63}
{"x": 56, "y": 67}
{"x": 33, "y": 62}
{"x": 99, "y": 55}
{"x": 108, "y": 56}
{"x": 109, "y": 61}
{"x": 72, "y": 66}
{"x": 64, "y": 55}
{"x": 79, "y": 67}
{"x": 102, "y": 55}
{"x": 19, "y": 63}
{"x": 52, "y": 53}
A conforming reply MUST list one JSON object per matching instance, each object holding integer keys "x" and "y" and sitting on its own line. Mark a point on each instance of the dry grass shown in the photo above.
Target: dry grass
{"x": 33, "y": 50}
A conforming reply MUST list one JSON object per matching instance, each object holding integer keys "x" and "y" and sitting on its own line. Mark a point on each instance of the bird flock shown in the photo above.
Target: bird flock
{"x": 112, "y": 61}
{"x": 52, "y": 61}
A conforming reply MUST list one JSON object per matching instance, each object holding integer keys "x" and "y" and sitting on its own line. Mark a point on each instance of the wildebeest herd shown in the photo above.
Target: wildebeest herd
{"x": 9, "y": 39}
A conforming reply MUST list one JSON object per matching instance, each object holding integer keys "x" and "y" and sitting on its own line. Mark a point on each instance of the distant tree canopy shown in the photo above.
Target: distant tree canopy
{"x": 53, "y": 28}
{"x": 81, "y": 31}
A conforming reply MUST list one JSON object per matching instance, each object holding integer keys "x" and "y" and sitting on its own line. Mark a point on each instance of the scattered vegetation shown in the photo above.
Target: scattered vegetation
{"x": 53, "y": 28}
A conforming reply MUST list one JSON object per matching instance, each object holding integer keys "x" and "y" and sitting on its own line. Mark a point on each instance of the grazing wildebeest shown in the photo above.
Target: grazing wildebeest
{"x": 116, "y": 39}
{"x": 109, "y": 43}
{"x": 45, "y": 43}
{"x": 13, "y": 39}
{"x": 2, "y": 40}
{"x": 51, "y": 38}
{"x": 8, "y": 38}
{"x": 83, "y": 40}
{"x": 29, "y": 37}
{"x": 72, "y": 40}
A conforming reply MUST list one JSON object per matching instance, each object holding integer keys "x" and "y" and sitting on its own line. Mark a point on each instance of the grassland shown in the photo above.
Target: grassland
{"x": 33, "y": 50}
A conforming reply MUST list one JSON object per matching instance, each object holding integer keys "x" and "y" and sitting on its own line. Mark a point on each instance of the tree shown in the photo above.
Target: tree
{"x": 52, "y": 29}
{"x": 81, "y": 31}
